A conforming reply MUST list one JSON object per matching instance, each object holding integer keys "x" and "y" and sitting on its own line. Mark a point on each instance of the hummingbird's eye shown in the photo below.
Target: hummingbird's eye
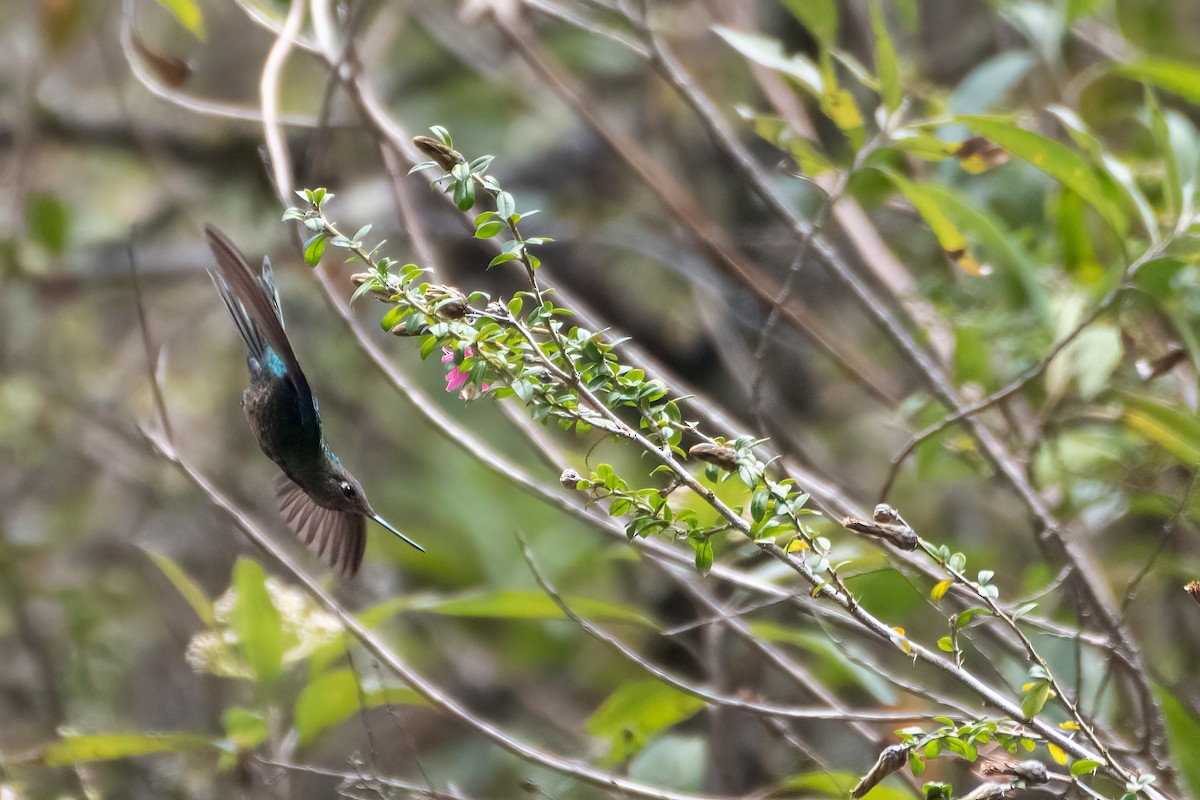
{"x": 347, "y": 490}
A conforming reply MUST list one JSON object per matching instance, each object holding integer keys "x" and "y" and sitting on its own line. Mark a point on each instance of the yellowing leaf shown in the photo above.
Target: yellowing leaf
{"x": 839, "y": 106}
{"x": 1175, "y": 430}
{"x": 1057, "y": 754}
{"x": 939, "y": 591}
{"x": 79, "y": 749}
{"x": 187, "y": 13}
{"x": 948, "y": 235}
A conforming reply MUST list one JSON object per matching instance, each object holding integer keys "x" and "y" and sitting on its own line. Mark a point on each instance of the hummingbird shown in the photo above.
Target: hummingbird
{"x": 318, "y": 498}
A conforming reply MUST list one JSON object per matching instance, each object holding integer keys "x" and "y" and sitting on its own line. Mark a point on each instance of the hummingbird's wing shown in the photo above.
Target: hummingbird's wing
{"x": 338, "y": 537}
{"x": 253, "y": 303}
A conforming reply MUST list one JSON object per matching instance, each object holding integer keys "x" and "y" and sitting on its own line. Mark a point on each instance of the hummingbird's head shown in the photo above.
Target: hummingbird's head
{"x": 343, "y": 492}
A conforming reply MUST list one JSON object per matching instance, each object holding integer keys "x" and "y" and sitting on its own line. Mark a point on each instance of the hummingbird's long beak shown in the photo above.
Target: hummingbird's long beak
{"x": 388, "y": 525}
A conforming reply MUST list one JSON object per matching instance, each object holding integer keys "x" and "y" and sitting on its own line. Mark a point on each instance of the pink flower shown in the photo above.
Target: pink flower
{"x": 456, "y": 378}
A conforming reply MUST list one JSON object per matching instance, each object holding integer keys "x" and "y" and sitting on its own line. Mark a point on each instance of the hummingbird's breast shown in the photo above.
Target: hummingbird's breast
{"x": 285, "y": 431}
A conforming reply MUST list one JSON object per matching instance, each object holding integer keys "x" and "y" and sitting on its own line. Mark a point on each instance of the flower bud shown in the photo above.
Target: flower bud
{"x": 435, "y": 151}
{"x": 721, "y": 455}
{"x": 1032, "y": 772}
{"x": 448, "y": 301}
{"x": 891, "y": 759}
{"x": 570, "y": 479}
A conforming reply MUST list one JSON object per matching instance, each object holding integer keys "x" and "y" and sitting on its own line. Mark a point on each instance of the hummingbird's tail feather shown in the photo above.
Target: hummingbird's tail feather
{"x": 253, "y": 302}
{"x": 339, "y": 538}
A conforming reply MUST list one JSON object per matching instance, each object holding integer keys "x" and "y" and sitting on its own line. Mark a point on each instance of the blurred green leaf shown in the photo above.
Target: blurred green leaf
{"x": 188, "y": 14}
{"x": 829, "y": 662}
{"x": 257, "y": 622}
{"x": 820, "y": 17}
{"x": 836, "y": 784}
{"x": 1172, "y": 185}
{"x": 335, "y": 696}
{"x": 1053, "y": 158}
{"x": 988, "y": 84}
{"x": 885, "y": 60}
{"x": 245, "y": 727}
{"x": 80, "y": 749}
{"x": 1178, "y": 431}
{"x": 49, "y": 221}
{"x": 1177, "y": 77}
{"x": 1083, "y": 8}
{"x": 637, "y": 711}
{"x": 769, "y": 53}
{"x": 187, "y": 587}
{"x": 673, "y": 762}
{"x": 507, "y": 604}
{"x": 1184, "y": 731}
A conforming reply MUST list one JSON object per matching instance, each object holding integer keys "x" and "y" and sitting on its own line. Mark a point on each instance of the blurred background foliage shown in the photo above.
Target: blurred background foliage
{"x": 129, "y": 602}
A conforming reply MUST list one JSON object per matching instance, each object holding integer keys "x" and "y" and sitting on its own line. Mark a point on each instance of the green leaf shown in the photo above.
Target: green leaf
{"x": 965, "y": 616}
{"x": 885, "y": 60}
{"x": 1084, "y": 767}
{"x": 489, "y": 229}
{"x": 49, "y": 221}
{"x": 1175, "y": 430}
{"x": 704, "y": 557}
{"x": 464, "y": 194}
{"x": 314, "y": 248}
{"x": 510, "y": 604}
{"x": 1035, "y": 699}
{"x": 820, "y": 17}
{"x": 392, "y": 318}
{"x": 769, "y": 53}
{"x": 257, "y": 622}
{"x": 1121, "y": 175}
{"x": 335, "y": 696}
{"x": 187, "y": 13}
{"x": 1055, "y": 159}
{"x": 187, "y": 587}
{"x": 505, "y": 205}
{"x": 834, "y": 785}
{"x": 946, "y": 644}
{"x": 1177, "y": 77}
{"x": 80, "y": 749}
{"x": 758, "y": 504}
{"x": 1183, "y": 729}
{"x": 245, "y": 727}
{"x": 636, "y": 712}
{"x": 1172, "y": 185}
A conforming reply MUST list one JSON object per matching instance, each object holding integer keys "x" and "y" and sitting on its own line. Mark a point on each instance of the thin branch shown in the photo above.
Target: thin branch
{"x": 431, "y": 692}
{"x": 695, "y": 690}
